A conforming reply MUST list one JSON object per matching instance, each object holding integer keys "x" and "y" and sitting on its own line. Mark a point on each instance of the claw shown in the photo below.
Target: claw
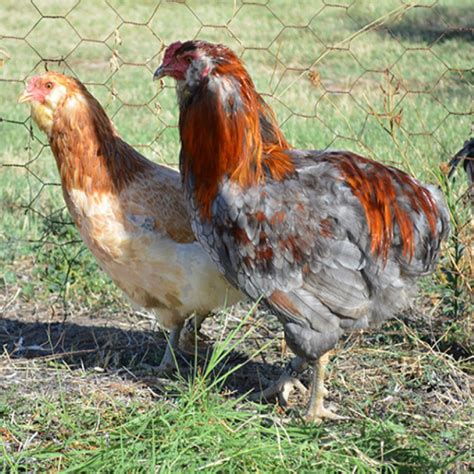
{"x": 282, "y": 389}
{"x": 320, "y": 414}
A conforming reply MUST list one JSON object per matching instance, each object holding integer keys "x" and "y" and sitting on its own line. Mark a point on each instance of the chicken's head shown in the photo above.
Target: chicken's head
{"x": 179, "y": 58}
{"x": 193, "y": 61}
{"x": 46, "y": 93}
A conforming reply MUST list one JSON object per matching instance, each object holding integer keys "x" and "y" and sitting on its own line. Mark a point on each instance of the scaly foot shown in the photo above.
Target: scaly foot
{"x": 282, "y": 389}
{"x": 321, "y": 413}
{"x": 316, "y": 411}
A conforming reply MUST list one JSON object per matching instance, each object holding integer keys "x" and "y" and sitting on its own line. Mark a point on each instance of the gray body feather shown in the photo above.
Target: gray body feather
{"x": 304, "y": 247}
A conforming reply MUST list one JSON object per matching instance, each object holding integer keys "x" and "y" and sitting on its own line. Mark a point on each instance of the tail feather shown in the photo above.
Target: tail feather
{"x": 466, "y": 155}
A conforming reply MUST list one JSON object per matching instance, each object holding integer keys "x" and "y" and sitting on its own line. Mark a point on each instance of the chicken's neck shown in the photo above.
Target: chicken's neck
{"x": 89, "y": 154}
{"x": 228, "y": 132}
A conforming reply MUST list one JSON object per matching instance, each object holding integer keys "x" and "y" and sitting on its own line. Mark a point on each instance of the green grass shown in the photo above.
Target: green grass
{"x": 89, "y": 427}
{"x": 385, "y": 79}
{"x": 211, "y": 435}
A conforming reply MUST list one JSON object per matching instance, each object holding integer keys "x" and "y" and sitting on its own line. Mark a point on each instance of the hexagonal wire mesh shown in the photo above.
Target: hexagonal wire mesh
{"x": 389, "y": 79}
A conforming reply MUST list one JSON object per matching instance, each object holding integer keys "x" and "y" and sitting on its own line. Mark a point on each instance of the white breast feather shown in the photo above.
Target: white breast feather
{"x": 155, "y": 272}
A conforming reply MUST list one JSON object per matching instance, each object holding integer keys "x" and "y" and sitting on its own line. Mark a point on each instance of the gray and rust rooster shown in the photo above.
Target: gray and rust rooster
{"x": 330, "y": 241}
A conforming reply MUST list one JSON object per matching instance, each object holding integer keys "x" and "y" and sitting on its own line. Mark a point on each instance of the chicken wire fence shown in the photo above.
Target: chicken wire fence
{"x": 389, "y": 79}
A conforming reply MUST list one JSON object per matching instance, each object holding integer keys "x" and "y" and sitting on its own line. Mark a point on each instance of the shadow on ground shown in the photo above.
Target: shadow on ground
{"x": 439, "y": 23}
{"x": 134, "y": 353}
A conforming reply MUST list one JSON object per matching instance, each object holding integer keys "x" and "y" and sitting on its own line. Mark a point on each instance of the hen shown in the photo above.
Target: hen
{"x": 329, "y": 240}
{"x": 130, "y": 211}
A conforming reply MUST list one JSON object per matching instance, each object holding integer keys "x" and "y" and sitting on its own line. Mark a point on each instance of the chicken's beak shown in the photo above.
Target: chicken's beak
{"x": 25, "y": 97}
{"x": 159, "y": 73}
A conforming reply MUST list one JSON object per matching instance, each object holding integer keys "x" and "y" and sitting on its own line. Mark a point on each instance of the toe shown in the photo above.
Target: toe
{"x": 326, "y": 413}
{"x": 299, "y": 386}
{"x": 322, "y": 413}
{"x": 281, "y": 389}
{"x": 284, "y": 395}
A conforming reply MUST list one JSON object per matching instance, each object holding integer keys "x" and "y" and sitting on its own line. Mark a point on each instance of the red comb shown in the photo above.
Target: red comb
{"x": 170, "y": 51}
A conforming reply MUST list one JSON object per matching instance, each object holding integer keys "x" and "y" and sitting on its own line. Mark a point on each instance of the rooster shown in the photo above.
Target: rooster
{"x": 130, "y": 212}
{"x": 329, "y": 240}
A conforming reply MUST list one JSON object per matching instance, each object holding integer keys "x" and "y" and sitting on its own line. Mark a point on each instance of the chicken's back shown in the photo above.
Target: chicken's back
{"x": 324, "y": 255}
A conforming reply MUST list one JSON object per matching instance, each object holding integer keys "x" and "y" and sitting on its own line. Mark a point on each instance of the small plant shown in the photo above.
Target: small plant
{"x": 453, "y": 281}
{"x": 391, "y": 118}
{"x": 4, "y": 57}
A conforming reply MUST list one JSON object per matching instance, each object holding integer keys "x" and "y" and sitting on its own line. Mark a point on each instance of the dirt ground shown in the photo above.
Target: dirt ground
{"x": 117, "y": 352}
{"x": 128, "y": 346}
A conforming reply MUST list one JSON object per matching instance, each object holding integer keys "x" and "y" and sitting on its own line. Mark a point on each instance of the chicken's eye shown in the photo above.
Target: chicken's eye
{"x": 188, "y": 59}
{"x": 49, "y": 85}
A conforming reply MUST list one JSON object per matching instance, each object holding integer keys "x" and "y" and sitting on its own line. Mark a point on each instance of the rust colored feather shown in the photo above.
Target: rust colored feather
{"x": 376, "y": 191}
{"x": 247, "y": 146}
{"x": 85, "y": 130}
{"x": 281, "y": 300}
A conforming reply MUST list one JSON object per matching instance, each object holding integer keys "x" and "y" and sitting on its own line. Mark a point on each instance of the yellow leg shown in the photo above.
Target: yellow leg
{"x": 316, "y": 410}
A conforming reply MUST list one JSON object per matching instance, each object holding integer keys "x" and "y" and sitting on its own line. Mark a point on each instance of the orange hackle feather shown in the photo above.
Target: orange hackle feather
{"x": 231, "y": 145}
